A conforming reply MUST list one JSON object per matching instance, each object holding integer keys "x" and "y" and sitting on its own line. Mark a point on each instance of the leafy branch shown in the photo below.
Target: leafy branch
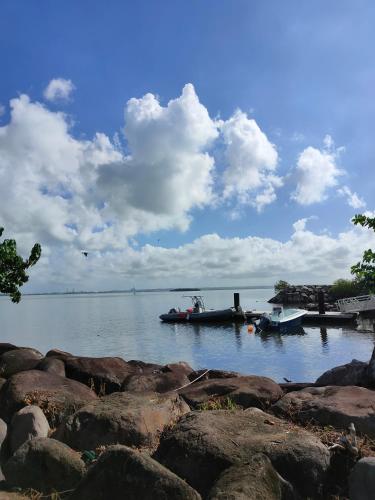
{"x": 13, "y": 267}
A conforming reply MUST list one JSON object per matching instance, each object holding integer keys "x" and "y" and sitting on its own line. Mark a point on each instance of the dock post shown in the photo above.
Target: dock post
{"x": 321, "y": 304}
{"x": 236, "y": 298}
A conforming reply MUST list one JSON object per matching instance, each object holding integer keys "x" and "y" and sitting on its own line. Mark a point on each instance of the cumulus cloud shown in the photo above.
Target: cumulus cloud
{"x": 72, "y": 194}
{"x": 169, "y": 170}
{"x": 352, "y": 199}
{"x": 252, "y": 161}
{"x": 211, "y": 259}
{"x": 316, "y": 172}
{"x": 57, "y": 189}
{"x": 58, "y": 89}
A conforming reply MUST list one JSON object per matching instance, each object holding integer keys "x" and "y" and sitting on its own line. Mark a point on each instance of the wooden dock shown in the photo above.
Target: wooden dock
{"x": 314, "y": 318}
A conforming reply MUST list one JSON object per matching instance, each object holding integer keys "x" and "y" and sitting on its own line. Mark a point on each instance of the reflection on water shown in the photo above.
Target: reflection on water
{"x": 129, "y": 326}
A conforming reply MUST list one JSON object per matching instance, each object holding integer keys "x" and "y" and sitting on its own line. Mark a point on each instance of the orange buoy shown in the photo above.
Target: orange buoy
{"x": 250, "y": 328}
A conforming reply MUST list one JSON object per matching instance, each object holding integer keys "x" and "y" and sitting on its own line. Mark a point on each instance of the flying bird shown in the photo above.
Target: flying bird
{"x": 84, "y": 253}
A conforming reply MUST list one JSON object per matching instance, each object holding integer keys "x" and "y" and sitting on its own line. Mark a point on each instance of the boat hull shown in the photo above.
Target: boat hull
{"x": 266, "y": 322}
{"x": 204, "y": 317}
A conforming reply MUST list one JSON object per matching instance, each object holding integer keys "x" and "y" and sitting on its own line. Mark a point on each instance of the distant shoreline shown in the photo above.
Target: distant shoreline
{"x": 147, "y": 290}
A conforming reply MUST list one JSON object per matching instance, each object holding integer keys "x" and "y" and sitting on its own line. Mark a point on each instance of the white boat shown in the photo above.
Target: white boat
{"x": 280, "y": 318}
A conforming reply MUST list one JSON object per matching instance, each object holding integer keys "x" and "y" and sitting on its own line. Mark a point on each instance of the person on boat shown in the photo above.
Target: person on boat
{"x": 197, "y": 307}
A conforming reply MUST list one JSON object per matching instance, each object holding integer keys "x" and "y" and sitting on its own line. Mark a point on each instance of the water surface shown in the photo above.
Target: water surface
{"x": 125, "y": 325}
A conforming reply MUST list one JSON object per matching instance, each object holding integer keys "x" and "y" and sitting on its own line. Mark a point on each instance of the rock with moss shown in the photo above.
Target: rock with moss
{"x": 204, "y": 444}
{"x": 122, "y": 472}
{"x": 254, "y": 480}
{"x": 243, "y": 391}
{"x": 333, "y": 405}
{"x": 55, "y": 395}
{"x": 45, "y": 465}
{"x": 133, "y": 419}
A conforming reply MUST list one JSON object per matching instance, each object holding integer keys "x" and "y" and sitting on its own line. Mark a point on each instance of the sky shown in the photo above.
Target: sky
{"x": 211, "y": 143}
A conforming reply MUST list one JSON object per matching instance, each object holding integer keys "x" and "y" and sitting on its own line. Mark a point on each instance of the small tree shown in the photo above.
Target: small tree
{"x": 13, "y": 267}
{"x": 365, "y": 270}
{"x": 280, "y": 285}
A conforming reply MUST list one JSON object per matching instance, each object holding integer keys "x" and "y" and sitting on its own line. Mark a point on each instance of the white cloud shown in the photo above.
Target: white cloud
{"x": 169, "y": 170}
{"x": 352, "y": 199}
{"x": 72, "y": 194}
{"x": 251, "y": 159}
{"x": 316, "y": 172}
{"x": 87, "y": 193}
{"x": 58, "y": 89}
{"x": 305, "y": 257}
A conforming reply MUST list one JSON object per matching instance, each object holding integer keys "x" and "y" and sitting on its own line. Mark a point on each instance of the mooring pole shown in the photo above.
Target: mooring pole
{"x": 321, "y": 304}
{"x": 236, "y": 298}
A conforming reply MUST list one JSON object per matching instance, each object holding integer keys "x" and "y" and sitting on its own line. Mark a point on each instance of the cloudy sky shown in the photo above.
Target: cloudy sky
{"x": 186, "y": 143}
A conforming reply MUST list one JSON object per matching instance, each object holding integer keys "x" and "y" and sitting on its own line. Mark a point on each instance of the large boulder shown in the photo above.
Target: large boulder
{"x": 155, "y": 382}
{"x": 353, "y": 373}
{"x": 333, "y": 405}
{"x": 3, "y": 432}
{"x": 2, "y": 382}
{"x": 203, "y": 444}
{"x": 56, "y": 353}
{"x": 255, "y": 480}
{"x": 5, "y": 347}
{"x": 52, "y": 365}
{"x": 122, "y": 473}
{"x": 17, "y": 360}
{"x": 45, "y": 465}
{"x": 133, "y": 419}
{"x": 105, "y": 375}
{"x": 56, "y": 396}
{"x": 207, "y": 374}
{"x": 27, "y": 423}
{"x": 245, "y": 391}
{"x": 362, "y": 480}
{"x": 162, "y": 379}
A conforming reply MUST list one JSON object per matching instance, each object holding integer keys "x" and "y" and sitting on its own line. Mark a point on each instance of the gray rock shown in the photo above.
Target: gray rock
{"x": 52, "y": 365}
{"x": 3, "y": 431}
{"x": 2, "y": 382}
{"x": 122, "y": 473}
{"x": 133, "y": 419}
{"x": 203, "y": 444}
{"x": 105, "y": 375}
{"x": 362, "y": 480}
{"x": 45, "y": 465}
{"x": 27, "y": 423}
{"x": 213, "y": 374}
{"x": 333, "y": 405}
{"x": 353, "y": 373}
{"x": 56, "y": 353}
{"x": 155, "y": 382}
{"x": 5, "y": 347}
{"x": 17, "y": 360}
{"x": 57, "y": 396}
{"x": 245, "y": 391}
{"x": 255, "y": 480}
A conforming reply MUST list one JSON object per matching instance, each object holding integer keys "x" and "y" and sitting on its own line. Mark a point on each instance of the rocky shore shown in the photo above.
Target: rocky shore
{"x": 305, "y": 296}
{"x": 105, "y": 428}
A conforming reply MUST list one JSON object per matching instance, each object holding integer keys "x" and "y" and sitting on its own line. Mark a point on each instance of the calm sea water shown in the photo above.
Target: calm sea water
{"x": 125, "y": 325}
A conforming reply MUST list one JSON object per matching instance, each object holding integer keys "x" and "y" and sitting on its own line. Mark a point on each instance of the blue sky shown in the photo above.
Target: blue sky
{"x": 302, "y": 76}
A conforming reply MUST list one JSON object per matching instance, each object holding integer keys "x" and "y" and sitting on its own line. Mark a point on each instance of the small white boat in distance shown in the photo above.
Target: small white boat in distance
{"x": 281, "y": 318}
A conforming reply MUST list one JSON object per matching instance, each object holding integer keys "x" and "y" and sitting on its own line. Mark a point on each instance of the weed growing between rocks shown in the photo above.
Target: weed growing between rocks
{"x": 54, "y": 413}
{"x": 218, "y": 404}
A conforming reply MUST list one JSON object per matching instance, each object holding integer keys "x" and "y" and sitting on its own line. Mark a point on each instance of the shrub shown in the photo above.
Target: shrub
{"x": 342, "y": 289}
{"x": 280, "y": 285}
